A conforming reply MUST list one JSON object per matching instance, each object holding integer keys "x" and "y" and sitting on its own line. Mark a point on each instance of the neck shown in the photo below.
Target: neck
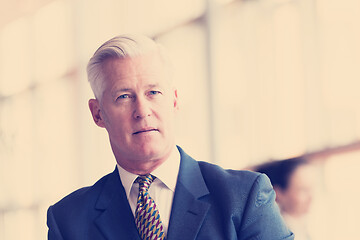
{"x": 143, "y": 166}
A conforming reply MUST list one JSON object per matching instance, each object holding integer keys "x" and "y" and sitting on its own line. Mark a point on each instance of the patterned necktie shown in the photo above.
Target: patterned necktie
{"x": 147, "y": 217}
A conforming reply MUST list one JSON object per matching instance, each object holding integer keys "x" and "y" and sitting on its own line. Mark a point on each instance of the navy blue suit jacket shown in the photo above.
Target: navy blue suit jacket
{"x": 209, "y": 203}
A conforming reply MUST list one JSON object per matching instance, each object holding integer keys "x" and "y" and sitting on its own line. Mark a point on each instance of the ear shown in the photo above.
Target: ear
{"x": 96, "y": 112}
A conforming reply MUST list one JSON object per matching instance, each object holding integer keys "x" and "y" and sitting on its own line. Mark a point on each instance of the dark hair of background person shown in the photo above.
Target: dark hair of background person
{"x": 280, "y": 171}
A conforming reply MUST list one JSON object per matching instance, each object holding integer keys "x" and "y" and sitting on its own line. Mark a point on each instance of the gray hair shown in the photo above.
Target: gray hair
{"x": 121, "y": 46}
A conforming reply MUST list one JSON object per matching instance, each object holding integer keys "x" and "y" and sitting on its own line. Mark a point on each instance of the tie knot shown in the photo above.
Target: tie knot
{"x": 145, "y": 181}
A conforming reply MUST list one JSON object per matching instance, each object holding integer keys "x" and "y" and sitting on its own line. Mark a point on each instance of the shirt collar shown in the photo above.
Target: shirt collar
{"x": 169, "y": 170}
{"x": 167, "y": 173}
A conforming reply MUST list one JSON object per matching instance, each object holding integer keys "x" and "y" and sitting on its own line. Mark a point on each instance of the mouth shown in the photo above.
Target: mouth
{"x": 145, "y": 131}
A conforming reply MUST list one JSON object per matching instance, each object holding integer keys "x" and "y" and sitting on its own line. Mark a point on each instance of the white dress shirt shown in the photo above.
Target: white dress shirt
{"x": 161, "y": 190}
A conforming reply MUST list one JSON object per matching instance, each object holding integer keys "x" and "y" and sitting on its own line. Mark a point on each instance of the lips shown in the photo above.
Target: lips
{"x": 144, "y": 130}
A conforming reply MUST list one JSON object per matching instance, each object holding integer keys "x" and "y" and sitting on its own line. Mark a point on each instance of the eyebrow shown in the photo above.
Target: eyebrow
{"x": 153, "y": 85}
{"x": 125, "y": 89}
{"x": 122, "y": 90}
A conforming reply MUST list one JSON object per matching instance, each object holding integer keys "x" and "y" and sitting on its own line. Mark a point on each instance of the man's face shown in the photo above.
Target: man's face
{"x": 137, "y": 109}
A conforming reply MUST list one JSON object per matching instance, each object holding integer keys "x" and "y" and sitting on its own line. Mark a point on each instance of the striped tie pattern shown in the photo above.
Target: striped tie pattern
{"x": 147, "y": 217}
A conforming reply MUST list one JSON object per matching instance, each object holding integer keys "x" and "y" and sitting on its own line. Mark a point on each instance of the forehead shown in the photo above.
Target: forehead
{"x": 149, "y": 65}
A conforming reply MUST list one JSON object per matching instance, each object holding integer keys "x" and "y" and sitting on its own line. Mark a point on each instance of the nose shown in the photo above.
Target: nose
{"x": 142, "y": 108}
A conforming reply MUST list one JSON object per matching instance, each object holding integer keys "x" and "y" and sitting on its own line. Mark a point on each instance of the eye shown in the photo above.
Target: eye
{"x": 154, "y": 92}
{"x": 123, "y": 96}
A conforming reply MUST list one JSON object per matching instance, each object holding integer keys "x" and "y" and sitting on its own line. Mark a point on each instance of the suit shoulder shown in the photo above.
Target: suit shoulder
{"x": 210, "y": 170}
{"x": 80, "y": 196}
{"x": 241, "y": 181}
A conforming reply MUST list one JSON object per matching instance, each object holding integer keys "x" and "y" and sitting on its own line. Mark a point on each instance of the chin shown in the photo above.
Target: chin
{"x": 151, "y": 152}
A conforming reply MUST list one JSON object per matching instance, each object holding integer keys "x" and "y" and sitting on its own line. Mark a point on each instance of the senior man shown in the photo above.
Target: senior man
{"x": 157, "y": 191}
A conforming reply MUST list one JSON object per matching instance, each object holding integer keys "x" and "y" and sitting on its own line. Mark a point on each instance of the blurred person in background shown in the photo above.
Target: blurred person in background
{"x": 292, "y": 180}
{"x": 155, "y": 182}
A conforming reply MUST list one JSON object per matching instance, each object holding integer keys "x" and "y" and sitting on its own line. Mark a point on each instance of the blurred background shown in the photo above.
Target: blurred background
{"x": 257, "y": 79}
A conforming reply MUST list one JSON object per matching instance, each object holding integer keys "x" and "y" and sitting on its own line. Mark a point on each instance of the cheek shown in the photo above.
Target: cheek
{"x": 169, "y": 121}
{"x": 166, "y": 112}
{"x": 116, "y": 122}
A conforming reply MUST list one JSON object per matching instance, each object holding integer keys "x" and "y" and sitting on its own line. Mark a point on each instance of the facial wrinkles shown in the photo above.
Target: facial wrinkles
{"x": 135, "y": 71}
{"x": 112, "y": 112}
{"x": 138, "y": 78}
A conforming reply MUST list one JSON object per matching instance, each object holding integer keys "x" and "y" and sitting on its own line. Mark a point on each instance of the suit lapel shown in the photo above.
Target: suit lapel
{"x": 116, "y": 220}
{"x": 188, "y": 212}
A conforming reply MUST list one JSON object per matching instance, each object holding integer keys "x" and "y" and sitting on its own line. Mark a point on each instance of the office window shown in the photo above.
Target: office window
{"x": 15, "y": 61}
{"x": 257, "y": 80}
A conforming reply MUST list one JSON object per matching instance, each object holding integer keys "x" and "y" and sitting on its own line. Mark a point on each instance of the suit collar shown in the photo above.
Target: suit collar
{"x": 188, "y": 211}
{"x": 116, "y": 218}
{"x": 190, "y": 176}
